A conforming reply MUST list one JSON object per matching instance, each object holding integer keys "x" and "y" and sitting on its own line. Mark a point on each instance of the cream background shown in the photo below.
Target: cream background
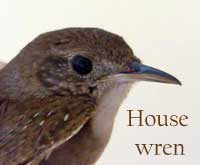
{"x": 164, "y": 34}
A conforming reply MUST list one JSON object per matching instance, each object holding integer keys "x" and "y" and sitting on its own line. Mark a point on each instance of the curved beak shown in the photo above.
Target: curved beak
{"x": 141, "y": 72}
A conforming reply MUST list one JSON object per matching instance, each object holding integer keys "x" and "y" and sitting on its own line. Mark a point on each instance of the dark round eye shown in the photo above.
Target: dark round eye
{"x": 81, "y": 65}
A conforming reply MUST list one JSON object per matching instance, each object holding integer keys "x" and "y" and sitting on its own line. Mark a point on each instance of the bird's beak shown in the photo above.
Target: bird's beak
{"x": 141, "y": 72}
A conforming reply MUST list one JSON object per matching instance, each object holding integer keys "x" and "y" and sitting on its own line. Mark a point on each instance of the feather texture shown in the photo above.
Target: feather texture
{"x": 31, "y": 129}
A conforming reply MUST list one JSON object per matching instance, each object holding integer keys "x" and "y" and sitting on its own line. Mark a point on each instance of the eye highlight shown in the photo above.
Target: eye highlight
{"x": 81, "y": 65}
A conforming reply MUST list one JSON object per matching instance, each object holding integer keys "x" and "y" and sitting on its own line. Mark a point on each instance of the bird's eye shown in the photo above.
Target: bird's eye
{"x": 81, "y": 65}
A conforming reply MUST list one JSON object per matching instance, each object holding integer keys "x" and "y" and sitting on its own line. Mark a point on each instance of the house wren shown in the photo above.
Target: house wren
{"x": 61, "y": 93}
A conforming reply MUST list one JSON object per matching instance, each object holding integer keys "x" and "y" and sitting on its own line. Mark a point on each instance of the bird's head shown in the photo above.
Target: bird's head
{"x": 86, "y": 61}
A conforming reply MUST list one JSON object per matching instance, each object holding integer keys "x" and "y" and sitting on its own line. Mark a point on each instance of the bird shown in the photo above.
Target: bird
{"x": 60, "y": 96}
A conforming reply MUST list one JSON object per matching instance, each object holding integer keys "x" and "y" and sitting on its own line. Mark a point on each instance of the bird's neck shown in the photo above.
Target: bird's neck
{"x": 86, "y": 147}
{"x": 98, "y": 130}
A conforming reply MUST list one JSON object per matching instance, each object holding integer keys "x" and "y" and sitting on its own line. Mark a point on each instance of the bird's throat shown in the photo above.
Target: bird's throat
{"x": 107, "y": 108}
